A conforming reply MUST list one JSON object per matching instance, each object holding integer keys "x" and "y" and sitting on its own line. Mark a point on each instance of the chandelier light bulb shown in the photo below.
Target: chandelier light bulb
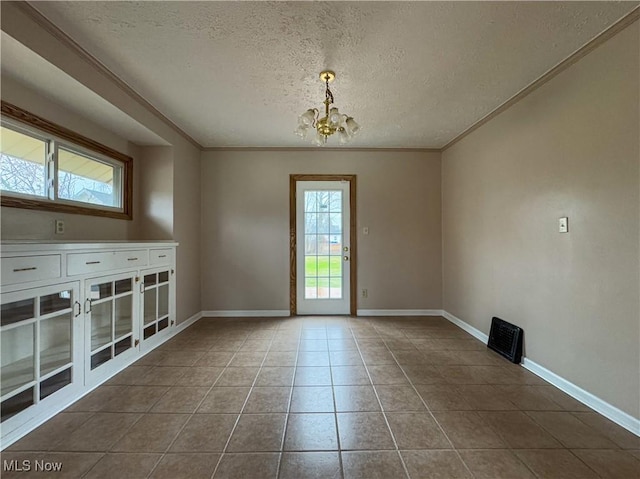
{"x": 331, "y": 122}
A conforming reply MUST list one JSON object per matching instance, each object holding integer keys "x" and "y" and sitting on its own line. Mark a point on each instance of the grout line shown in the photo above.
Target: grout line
{"x": 384, "y": 415}
{"x": 335, "y": 405}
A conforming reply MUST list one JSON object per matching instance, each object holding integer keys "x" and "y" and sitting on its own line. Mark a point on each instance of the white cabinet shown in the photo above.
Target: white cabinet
{"x": 73, "y": 315}
{"x": 41, "y": 334}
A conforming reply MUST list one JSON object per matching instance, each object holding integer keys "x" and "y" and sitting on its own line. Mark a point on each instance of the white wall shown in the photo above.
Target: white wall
{"x": 245, "y": 226}
{"x": 568, "y": 149}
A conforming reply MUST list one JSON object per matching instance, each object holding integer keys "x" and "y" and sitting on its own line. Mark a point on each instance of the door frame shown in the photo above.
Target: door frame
{"x": 353, "y": 287}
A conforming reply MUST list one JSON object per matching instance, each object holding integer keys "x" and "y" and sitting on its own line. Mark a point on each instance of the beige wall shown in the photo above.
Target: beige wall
{"x": 19, "y": 223}
{"x": 245, "y": 226}
{"x": 568, "y": 149}
{"x": 155, "y": 188}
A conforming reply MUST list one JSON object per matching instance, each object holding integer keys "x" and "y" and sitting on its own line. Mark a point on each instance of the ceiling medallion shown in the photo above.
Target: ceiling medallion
{"x": 332, "y": 122}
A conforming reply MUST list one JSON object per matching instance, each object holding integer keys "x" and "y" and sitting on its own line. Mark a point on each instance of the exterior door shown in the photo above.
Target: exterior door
{"x": 322, "y": 247}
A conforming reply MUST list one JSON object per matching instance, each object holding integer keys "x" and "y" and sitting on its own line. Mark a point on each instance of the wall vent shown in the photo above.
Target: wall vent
{"x": 506, "y": 339}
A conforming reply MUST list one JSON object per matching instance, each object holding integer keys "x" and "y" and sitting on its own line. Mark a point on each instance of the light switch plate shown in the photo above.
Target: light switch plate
{"x": 563, "y": 225}
{"x": 365, "y": 230}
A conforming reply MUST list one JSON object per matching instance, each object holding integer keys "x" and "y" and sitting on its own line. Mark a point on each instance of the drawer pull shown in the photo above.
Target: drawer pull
{"x": 162, "y": 256}
{"x": 92, "y": 262}
{"x": 132, "y": 259}
{"x": 32, "y": 268}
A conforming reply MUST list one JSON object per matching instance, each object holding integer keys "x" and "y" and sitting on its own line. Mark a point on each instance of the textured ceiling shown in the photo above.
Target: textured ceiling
{"x": 413, "y": 74}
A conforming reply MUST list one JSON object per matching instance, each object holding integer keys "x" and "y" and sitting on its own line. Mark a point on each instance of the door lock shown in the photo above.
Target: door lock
{"x": 346, "y": 258}
{"x": 346, "y": 248}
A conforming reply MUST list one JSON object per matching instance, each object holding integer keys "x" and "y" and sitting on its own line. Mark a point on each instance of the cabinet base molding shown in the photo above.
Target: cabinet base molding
{"x": 252, "y": 313}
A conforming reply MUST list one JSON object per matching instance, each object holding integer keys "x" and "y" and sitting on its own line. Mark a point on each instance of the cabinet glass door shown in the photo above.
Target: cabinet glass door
{"x": 156, "y": 309}
{"x": 110, "y": 306}
{"x": 41, "y": 345}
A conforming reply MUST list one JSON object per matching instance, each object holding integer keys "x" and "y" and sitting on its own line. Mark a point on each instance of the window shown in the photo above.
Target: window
{"x": 45, "y": 166}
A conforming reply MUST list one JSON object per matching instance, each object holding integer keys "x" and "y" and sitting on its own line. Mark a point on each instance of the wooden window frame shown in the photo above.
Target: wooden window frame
{"x": 75, "y": 139}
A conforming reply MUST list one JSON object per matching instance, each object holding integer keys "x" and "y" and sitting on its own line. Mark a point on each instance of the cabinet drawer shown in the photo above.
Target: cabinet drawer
{"x": 127, "y": 259}
{"x": 161, "y": 256}
{"x": 83, "y": 263}
{"x": 24, "y": 269}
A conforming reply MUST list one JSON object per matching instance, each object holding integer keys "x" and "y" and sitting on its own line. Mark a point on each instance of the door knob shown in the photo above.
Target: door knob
{"x": 346, "y": 248}
{"x": 346, "y": 258}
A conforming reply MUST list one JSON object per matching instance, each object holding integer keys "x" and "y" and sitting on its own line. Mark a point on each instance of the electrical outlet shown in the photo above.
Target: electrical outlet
{"x": 365, "y": 293}
{"x": 59, "y": 227}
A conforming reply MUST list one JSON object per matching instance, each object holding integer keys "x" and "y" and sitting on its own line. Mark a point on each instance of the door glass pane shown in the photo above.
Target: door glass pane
{"x": 55, "y": 302}
{"x": 335, "y": 266}
{"x": 99, "y": 291}
{"x": 310, "y": 201}
{"x": 55, "y": 342}
{"x": 100, "y": 357}
{"x": 123, "y": 345}
{"x": 149, "y": 280}
{"x": 163, "y": 301}
{"x": 148, "y": 332}
{"x": 85, "y": 179}
{"x": 335, "y": 201}
{"x": 123, "y": 315}
{"x": 22, "y": 163}
{"x": 163, "y": 323}
{"x": 335, "y": 223}
{"x": 311, "y": 288}
{"x": 335, "y": 288}
{"x": 323, "y": 222}
{"x": 323, "y": 288}
{"x": 310, "y": 244}
{"x": 322, "y": 201}
{"x": 323, "y": 244}
{"x": 310, "y": 223}
{"x": 18, "y": 363}
{"x": 17, "y": 311}
{"x": 310, "y": 266}
{"x": 124, "y": 286}
{"x": 335, "y": 245}
{"x": 163, "y": 277}
{"x": 149, "y": 306}
{"x": 100, "y": 324}
{"x": 54, "y": 383}
{"x": 323, "y": 265}
{"x": 12, "y": 406}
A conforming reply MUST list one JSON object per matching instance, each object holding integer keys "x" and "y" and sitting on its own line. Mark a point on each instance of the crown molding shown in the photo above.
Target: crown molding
{"x": 100, "y": 67}
{"x": 319, "y": 149}
{"x": 591, "y": 45}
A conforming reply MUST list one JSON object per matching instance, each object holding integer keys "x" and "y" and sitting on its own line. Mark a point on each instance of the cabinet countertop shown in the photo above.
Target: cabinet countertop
{"x": 27, "y": 246}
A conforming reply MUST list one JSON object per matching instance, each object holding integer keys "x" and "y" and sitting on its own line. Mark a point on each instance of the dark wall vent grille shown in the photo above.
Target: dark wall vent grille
{"x": 506, "y": 339}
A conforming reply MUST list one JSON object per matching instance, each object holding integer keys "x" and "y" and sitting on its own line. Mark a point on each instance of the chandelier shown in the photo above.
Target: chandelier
{"x": 333, "y": 121}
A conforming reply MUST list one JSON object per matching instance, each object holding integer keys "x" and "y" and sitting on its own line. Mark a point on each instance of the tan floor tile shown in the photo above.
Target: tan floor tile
{"x": 399, "y": 398}
{"x": 342, "y": 345}
{"x": 191, "y": 466}
{"x": 96, "y": 399}
{"x": 619, "y": 435}
{"x": 230, "y": 346}
{"x": 238, "y": 376}
{"x": 434, "y": 465}
{"x": 215, "y": 359}
{"x": 256, "y": 345}
{"x": 131, "y": 466}
{"x": 313, "y": 345}
{"x": 420, "y": 375}
{"x": 180, "y": 399}
{"x": 610, "y": 464}
{"x": 350, "y": 376}
{"x": 69, "y": 465}
{"x": 312, "y": 399}
{"x": 527, "y": 398}
{"x": 485, "y": 397}
{"x": 248, "y": 358}
{"x": 309, "y": 376}
{"x": 518, "y": 430}
{"x": 565, "y": 401}
{"x": 268, "y": 399}
{"x": 134, "y": 399}
{"x": 414, "y": 430}
{"x": 363, "y": 430}
{"x": 152, "y": 433}
{"x": 555, "y": 464}
{"x": 467, "y": 430}
{"x": 372, "y": 465}
{"x": 310, "y": 465}
{"x": 280, "y": 358}
{"x": 345, "y": 358}
{"x": 258, "y": 433}
{"x": 387, "y": 374}
{"x": 45, "y": 436}
{"x": 98, "y": 433}
{"x": 199, "y": 376}
{"x": 275, "y": 376}
{"x": 163, "y": 376}
{"x": 254, "y": 466}
{"x": 311, "y": 432}
{"x": 181, "y": 358}
{"x": 285, "y": 345}
{"x": 205, "y": 433}
{"x": 378, "y": 357}
{"x": 462, "y": 374}
{"x": 355, "y": 399}
{"x": 224, "y": 400}
{"x": 133, "y": 375}
{"x": 495, "y": 464}
{"x": 313, "y": 358}
{"x": 441, "y": 397}
{"x": 570, "y": 431}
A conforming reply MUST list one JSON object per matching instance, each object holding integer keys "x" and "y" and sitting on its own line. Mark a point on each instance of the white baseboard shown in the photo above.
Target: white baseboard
{"x": 609, "y": 411}
{"x": 252, "y": 313}
{"x": 476, "y": 333}
{"x": 399, "y": 312}
{"x": 187, "y": 322}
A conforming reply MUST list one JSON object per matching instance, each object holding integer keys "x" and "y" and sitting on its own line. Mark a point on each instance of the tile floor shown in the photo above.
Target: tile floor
{"x": 328, "y": 398}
